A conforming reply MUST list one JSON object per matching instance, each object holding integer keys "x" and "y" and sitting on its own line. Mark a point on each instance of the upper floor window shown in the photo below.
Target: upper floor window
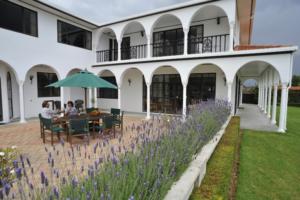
{"x": 73, "y": 35}
{"x": 44, "y": 79}
{"x": 17, "y": 18}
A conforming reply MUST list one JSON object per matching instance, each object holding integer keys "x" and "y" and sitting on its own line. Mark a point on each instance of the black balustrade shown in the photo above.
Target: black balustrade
{"x": 134, "y": 52}
{"x": 208, "y": 44}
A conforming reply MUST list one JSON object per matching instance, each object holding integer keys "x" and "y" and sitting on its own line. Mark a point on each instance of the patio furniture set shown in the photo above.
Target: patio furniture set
{"x": 83, "y": 124}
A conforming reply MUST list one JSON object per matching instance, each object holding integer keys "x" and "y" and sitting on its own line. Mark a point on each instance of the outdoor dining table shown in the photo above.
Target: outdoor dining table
{"x": 93, "y": 118}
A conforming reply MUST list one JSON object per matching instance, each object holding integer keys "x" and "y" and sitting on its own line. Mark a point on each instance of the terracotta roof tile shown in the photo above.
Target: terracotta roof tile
{"x": 252, "y": 47}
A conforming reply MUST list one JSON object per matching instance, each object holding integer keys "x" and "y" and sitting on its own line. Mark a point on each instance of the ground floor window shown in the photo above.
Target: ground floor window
{"x": 201, "y": 87}
{"x": 167, "y": 92}
{"x": 108, "y": 93}
{"x": 1, "y": 111}
{"x": 44, "y": 79}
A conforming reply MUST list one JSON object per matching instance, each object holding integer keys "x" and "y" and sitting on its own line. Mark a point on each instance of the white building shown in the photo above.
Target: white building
{"x": 161, "y": 61}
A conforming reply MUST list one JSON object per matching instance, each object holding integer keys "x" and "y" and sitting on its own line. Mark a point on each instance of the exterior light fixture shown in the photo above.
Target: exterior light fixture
{"x": 225, "y": 81}
{"x": 218, "y": 20}
{"x": 142, "y": 33}
{"x": 31, "y": 78}
{"x": 129, "y": 81}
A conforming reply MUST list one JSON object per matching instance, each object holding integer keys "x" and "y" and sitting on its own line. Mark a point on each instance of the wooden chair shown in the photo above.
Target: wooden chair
{"x": 78, "y": 127}
{"x": 117, "y": 118}
{"x": 48, "y": 125}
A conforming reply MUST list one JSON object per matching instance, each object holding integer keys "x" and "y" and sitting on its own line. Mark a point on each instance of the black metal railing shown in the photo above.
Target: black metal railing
{"x": 167, "y": 48}
{"x": 107, "y": 55}
{"x": 134, "y": 52}
{"x": 208, "y": 44}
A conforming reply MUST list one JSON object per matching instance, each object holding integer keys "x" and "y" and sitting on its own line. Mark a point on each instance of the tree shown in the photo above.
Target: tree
{"x": 296, "y": 80}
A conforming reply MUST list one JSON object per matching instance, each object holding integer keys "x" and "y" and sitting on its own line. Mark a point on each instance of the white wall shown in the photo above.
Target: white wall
{"x": 132, "y": 95}
{"x": 33, "y": 103}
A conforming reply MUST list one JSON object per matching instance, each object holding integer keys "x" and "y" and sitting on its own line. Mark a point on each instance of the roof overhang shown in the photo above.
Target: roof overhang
{"x": 53, "y": 9}
{"x": 245, "y": 12}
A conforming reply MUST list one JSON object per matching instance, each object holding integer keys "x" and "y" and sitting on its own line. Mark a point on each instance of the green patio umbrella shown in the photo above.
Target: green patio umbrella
{"x": 83, "y": 79}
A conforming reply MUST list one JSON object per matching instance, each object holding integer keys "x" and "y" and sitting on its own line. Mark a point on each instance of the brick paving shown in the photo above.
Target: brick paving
{"x": 26, "y": 137}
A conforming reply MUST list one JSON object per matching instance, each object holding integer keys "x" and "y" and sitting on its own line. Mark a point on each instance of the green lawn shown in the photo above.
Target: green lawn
{"x": 217, "y": 181}
{"x": 270, "y": 163}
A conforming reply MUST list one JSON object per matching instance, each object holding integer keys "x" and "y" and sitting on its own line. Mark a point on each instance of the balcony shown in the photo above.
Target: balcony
{"x": 134, "y": 52}
{"x": 209, "y": 31}
{"x": 208, "y": 44}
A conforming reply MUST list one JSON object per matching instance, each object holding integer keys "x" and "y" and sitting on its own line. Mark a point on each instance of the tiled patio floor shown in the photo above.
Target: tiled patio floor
{"x": 28, "y": 141}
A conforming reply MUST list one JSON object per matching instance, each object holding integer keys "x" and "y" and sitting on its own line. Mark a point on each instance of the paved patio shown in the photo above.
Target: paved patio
{"x": 252, "y": 118}
{"x": 26, "y": 137}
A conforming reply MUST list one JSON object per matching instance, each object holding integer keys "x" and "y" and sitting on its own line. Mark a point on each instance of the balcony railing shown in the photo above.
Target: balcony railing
{"x": 107, "y": 55}
{"x": 196, "y": 45}
{"x": 208, "y": 44}
{"x": 168, "y": 48}
{"x": 134, "y": 52}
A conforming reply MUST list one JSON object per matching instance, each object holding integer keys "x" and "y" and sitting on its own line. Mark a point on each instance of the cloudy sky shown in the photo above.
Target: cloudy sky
{"x": 276, "y": 21}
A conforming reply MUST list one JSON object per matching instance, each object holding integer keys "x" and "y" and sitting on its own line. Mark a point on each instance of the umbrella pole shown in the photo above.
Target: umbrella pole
{"x": 85, "y": 98}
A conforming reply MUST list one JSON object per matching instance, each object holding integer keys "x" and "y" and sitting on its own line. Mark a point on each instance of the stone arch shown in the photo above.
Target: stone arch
{"x": 206, "y": 71}
{"x": 176, "y": 22}
{"x": 208, "y": 9}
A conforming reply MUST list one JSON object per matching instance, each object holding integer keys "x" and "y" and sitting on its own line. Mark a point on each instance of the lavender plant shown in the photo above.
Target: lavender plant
{"x": 142, "y": 167}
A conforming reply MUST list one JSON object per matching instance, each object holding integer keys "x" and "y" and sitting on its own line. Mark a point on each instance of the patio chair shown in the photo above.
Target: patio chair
{"x": 78, "y": 104}
{"x": 48, "y": 125}
{"x": 78, "y": 127}
{"x": 108, "y": 126}
{"x": 57, "y": 105}
{"x": 117, "y": 118}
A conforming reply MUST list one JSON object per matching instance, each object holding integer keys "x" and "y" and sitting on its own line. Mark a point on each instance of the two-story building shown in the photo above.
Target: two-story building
{"x": 162, "y": 61}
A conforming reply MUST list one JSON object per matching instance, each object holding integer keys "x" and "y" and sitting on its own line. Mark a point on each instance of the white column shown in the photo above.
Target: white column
{"x": 5, "y": 110}
{"x": 274, "y": 108}
{"x": 21, "y": 96}
{"x": 184, "y": 85}
{"x": 119, "y": 97}
{"x": 148, "y": 100}
{"x": 185, "y": 42}
{"x": 269, "y": 101}
{"x": 62, "y": 98}
{"x": 266, "y": 97}
{"x": 148, "y": 46}
{"x": 229, "y": 91}
{"x": 241, "y": 95}
{"x": 231, "y": 36}
{"x": 259, "y": 94}
{"x": 95, "y": 98}
{"x": 283, "y": 111}
{"x": 229, "y": 95}
{"x": 286, "y": 108}
{"x": 90, "y": 97}
{"x": 119, "y": 49}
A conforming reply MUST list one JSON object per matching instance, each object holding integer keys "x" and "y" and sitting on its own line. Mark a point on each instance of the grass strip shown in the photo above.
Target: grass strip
{"x": 220, "y": 179}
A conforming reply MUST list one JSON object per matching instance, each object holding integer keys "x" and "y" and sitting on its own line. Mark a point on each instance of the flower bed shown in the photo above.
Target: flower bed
{"x": 156, "y": 158}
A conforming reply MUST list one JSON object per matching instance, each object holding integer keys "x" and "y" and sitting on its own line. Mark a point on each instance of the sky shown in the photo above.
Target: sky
{"x": 275, "y": 22}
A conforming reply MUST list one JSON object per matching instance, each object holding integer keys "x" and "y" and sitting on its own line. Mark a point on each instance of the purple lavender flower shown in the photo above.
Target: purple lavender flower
{"x": 74, "y": 182}
{"x": 18, "y": 173}
{"x": 15, "y": 164}
{"x": 7, "y": 189}
{"x": 43, "y": 177}
{"x": 56, "y": 192}
{"x": 1, "y": 194}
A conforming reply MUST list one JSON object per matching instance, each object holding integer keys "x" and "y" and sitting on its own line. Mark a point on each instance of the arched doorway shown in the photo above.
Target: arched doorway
{"x": 168, "y": 36}
{"x": 206, "y": 82}
{"x": 248, "y": 92}
{"x": 166, "y": 91}
{"x": 107, "y": 97}
{"x": 209, "y": 31}
{"x": 134, "y": 41}
{"x": 107, "y": 49}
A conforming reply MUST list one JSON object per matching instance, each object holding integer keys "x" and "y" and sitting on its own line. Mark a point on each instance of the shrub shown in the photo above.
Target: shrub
{"x": 146, "y": 168}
